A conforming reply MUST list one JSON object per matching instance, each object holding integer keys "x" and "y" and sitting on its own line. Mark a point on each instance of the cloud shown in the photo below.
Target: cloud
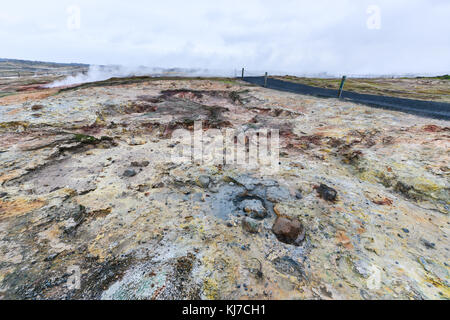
{"x": 294, "y": 37}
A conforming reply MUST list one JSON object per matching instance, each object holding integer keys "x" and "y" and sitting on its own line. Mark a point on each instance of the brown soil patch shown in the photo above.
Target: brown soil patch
{"x": 18, "y": 207}
{"x": 23, "y": 97}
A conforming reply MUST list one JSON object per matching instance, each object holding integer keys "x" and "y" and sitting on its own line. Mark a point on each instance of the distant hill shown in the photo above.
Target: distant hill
{"x": 41, "y": 63}
{"x": 13, "y": 67}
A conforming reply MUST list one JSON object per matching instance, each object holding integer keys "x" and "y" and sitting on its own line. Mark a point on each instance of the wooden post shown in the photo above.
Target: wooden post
{"x": 265, "y": 80}
{"x": 341, "y": 88}
{"x": 242, "y": 73}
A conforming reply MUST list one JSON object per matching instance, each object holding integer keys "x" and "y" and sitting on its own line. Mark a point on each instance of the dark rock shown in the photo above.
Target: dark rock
{"x": 51, "y": 257}
{"x": 158, "y": 185}
{"x": 298, "y": 195}
{"x": 407, "y": 190}
{"x": 288, "y": 266}
{"x": 185, "y": 264}
{"x": 143, "y": 188}
{"x": 327, "y": 193}
{"x": 37, "y": 107}
{"x": 288, "y": 231}
{"x": 365, "y": 295}
{"x": 250, "y": 225}
{"x": 129, "y": 173}
{"x": 3, "y": 194}
{"x": 405, "y": 230}
{"x": 140, "y": 163}
{"x": 428, "y": 244}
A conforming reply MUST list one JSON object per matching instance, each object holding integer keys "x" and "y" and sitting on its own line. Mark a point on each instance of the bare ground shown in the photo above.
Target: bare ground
{"x": 172, "y": 231}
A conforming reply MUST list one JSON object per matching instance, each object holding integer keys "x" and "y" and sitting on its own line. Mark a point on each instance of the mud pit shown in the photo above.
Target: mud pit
{"x": 91, "y": 183}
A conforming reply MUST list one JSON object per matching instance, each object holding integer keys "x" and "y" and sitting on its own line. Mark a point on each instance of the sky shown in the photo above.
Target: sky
{"x": 355, "y": 37}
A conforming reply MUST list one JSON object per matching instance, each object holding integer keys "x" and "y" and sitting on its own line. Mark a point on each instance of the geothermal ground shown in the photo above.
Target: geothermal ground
{"x": 93, "y": 207}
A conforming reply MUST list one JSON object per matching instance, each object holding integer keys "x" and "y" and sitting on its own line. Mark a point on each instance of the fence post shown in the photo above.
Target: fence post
{"x": 341, "y": 88}
{"x": 242, "y": 73}
{"x": 265, "y": 80}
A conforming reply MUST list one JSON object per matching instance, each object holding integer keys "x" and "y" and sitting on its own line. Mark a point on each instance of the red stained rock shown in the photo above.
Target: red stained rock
{"x": 289, "y": 231}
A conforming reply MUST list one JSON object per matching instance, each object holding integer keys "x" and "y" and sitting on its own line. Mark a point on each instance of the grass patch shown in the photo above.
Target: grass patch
{"x": 85, "y": 138}
{"x": 140, "y": 79}
{"x": 410, "y": 88}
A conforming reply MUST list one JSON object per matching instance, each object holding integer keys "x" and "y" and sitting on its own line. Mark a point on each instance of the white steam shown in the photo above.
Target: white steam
{"x": 99, "y": 73}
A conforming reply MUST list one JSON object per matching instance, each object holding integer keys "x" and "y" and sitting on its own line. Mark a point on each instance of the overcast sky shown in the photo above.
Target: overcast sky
{"x": 292, "y": 36}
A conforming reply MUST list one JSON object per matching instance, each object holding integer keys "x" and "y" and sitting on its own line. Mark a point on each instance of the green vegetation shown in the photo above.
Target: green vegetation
{"x": 84, "y": 138}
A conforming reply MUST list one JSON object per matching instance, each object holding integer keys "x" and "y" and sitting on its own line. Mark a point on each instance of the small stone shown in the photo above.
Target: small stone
{"x": 288, "y": 231}
{"x": 3, "y": 194}
{"x": 37, "y": 107}
{"x": 140, "y": 163}
{"x": 364, "y": 294}
{"x": 250, "y": 225}
{"x": 129, "y": 173}
{"x": 158, "y": 185}
{"x": 142, "y": 188}
{"x": 298, "y": 195}
{"x": 405, "y": 230}
{"x": 51, "y": 257}
{"x": 203, "y": 181}
{"x": 136, "y": 142}
{"x": 428, "y": 244}
{"x": 254, "y": 207}
{"x": 327, "y": 193}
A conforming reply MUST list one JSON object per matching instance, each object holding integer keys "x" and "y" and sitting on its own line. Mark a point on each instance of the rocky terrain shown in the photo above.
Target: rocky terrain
{"x": 358, "y": 208}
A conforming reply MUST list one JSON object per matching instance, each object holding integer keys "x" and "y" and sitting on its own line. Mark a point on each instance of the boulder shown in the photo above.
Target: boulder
{"x": 289, "y": 231}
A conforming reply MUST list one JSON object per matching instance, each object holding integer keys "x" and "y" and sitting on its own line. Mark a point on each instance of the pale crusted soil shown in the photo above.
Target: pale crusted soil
{"x": 174, "y": 231}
